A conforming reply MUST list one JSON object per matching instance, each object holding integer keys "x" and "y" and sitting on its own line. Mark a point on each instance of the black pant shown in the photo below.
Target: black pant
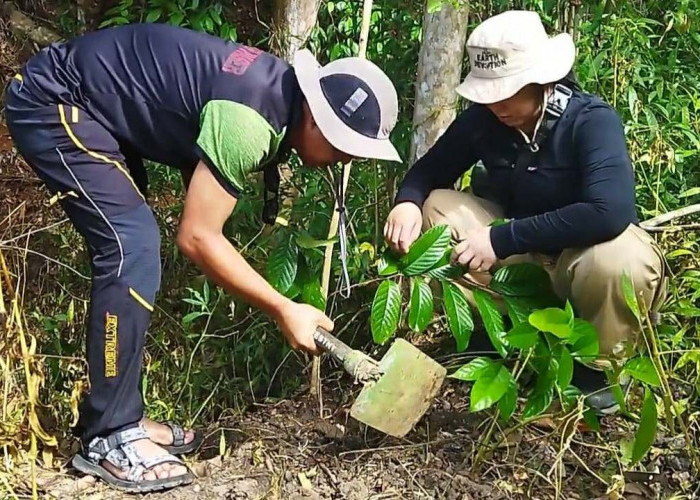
{"x": 78, "y": 158}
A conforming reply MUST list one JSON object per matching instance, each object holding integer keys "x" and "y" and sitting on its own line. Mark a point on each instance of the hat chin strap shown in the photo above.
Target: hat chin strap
{"x": 543, "y": 109}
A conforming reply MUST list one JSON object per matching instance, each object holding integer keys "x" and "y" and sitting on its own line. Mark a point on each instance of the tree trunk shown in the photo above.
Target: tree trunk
{"x": 293, "y": 21}
{"x": 439, "y": 74}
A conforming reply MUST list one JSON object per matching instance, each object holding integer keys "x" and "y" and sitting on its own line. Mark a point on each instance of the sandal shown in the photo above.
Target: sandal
{"x": 178, "y": 446}
{"x": 118, "y": 450}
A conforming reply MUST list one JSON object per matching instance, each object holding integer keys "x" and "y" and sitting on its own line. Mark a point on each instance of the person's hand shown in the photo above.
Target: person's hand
{"x": 403, "y": 226}
{"x": 475, "y": 250}
{"x": 298, "y": 323}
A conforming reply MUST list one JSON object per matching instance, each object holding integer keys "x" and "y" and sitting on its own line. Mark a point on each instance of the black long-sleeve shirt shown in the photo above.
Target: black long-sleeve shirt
{"x": 579, "y": 192}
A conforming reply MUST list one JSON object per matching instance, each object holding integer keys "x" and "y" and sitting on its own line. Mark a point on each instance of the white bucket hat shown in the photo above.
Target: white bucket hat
{"x": 511, "y": 50}
{"x": 353, "y": 103}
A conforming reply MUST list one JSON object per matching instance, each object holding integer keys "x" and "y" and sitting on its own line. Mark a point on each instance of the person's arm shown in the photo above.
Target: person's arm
{"x": 607, "y": 206}
{"x": 450, "y": 156}
{"x": 440, "y": 167}
{"x": 200, "y": 238}
{"x": 233, "y": 141}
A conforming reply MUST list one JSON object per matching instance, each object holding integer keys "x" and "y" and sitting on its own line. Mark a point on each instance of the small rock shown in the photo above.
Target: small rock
{"x": 85, "y": 482}
{"x": 196, "y": 488}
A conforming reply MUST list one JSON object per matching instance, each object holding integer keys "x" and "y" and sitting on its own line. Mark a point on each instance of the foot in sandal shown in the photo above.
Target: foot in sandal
{"x": 172, "y": 437}
{"x": 130, "y": 461}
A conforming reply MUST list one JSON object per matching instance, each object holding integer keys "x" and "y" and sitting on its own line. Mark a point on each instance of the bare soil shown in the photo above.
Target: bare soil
{"x": 296, "y": 449}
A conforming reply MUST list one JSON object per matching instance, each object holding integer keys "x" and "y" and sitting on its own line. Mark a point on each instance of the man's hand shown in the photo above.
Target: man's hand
{"x": 403, "y": 226}
{"x": 475, "y": 250}
{"x": 298, "y": 323}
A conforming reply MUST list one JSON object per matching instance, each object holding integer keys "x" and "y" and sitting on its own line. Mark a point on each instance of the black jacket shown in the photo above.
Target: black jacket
{"x": 579, "y": 191}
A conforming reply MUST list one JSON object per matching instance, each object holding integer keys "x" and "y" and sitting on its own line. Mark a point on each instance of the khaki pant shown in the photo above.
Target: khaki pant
{"x": 588, "y": 277}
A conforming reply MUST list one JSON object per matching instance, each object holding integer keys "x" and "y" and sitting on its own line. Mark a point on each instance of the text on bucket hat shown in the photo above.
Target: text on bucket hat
{"x": 511, "y": 50}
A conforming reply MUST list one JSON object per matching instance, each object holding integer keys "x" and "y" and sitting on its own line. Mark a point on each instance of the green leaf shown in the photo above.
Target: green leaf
{"x": 215, "y": 17}
{"x": 690, "y": 192}
{"x": 435, "y": 6}
{"x": 305, "y": 240}
{"x": 312, "y": 294}
{"x": 493, "y": 321}
{"x": 538, "y": 402}
{"x": 206, "y": 291}
{"x": 492, "y": 384}
{"x": 293, "y": 291}
{"x": 388, "y": 264}
{"x": 584, "y": 341}
{"x": 619, "y": 397}
{"x": 153, "y": 15}
{"x": 687, "y": 357}
{"x": 569, "y": 309}
{"x": 630, "y": 295}
{"x": 591, "y": 419}
{"x": 642, "y": 368}
{"x": 426, "y": 251}
{"x": 499, "y": 222}
{"x": 552, "y": 320}
{"x": 443, "y": 269}
{"x": 459, "y": 316}
{"x": 542, "y": 357}
{"x": 385, "y": 311}
{"x": 522, "y": 336}
{"x": 566, "y": 368}
{"x": 176, "y": 18}
{"x": 507, "y": 404}
{"x": 189, "y": 318}
{"x": 543, "y": 393}
{"x": 421, "y": 310}
{"x": 647, "y": 428}
{"x": 519, "y": 309}
{"x": 446, "y": 272}
{"x": 521, "y": 280}
{"x": 282, "y": 265}
{"x": 471, "y": 370}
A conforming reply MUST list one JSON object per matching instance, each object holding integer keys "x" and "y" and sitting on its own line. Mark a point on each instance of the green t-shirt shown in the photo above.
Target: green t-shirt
{"x": 236, "y": 140}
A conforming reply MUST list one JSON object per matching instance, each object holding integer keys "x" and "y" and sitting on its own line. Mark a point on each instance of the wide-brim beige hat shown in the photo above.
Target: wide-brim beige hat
{"x": 511, "y": 50}
{"x": 353, "y": 103}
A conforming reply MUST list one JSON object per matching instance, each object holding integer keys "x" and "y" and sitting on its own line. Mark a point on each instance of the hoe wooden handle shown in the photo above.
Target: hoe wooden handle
{"x": 329, "y": 343}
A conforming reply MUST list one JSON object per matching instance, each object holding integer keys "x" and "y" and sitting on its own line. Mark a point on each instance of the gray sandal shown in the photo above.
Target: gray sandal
{"x": 178, "y": 446}
{"x": 118, "y": 449}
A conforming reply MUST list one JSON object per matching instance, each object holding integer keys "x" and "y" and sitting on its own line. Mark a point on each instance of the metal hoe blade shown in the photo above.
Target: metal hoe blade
{"x": 401, "y": 396}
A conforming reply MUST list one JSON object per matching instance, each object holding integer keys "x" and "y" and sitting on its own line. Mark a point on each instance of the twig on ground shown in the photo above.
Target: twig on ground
{"x": 413, "y": 479}
{"x": 391, "y": 448}
{"x": 587, "y": 468}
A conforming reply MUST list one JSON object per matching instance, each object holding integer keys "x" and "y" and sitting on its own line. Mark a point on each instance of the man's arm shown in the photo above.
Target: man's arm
{"x": 207, "y": 207}
{"x": 607, "y": 205}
